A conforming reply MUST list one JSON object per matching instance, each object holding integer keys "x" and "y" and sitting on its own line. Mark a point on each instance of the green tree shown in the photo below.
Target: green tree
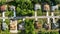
{"x": 29, "y": 26}
{"x": 3, "y": 1}
{"x": 55, "y": 2}
{"x": 47, "y": 1}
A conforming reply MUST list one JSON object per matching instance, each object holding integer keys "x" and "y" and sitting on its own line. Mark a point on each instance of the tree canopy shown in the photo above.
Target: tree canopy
{"x": 26, "y": 7}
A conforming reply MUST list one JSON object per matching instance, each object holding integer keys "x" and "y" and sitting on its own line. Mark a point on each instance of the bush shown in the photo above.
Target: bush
{"x": 29, "y": 26}
{"x": 24, "y": 12}
{"x": 49, "y": 32}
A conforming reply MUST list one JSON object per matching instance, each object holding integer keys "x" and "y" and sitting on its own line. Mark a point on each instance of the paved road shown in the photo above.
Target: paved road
{"x": 31, "y": 17}
{"x": 36, "y": 16}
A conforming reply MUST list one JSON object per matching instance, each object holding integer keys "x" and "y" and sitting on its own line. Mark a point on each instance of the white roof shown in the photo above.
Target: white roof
{"x": 37, "y": 6}
{"x": 54, "y": 7}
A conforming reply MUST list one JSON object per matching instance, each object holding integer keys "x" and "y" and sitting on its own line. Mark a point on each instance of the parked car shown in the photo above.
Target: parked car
{"x": 13, "y": 24}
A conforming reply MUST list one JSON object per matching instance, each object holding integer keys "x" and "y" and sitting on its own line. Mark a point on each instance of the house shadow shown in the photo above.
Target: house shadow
{"x": 59, "y": 25}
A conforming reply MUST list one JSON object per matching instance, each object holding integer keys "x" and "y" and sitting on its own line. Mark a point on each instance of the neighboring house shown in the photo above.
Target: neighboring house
{"x": 46, "y": 7}
{"x": 46, "y": 26}
{"x": 3, "y": 7}
{"x": 37, "y": 6}
{"x": 4, "y": 26}
{"x": 13, "y": 26}
{"x": 37, "y": 25}
{"x": 12, "y": 8}
{"x": 53, "y": 8}
{"x": 21, "y": 26}
{"x": 54, "y": 25}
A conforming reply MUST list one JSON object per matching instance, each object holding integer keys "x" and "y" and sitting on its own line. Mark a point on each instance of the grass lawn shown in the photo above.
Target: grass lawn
{"x": 40, "y": 13}
{"x": 5, "y": 32}
{"x": 57, "y": 13}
